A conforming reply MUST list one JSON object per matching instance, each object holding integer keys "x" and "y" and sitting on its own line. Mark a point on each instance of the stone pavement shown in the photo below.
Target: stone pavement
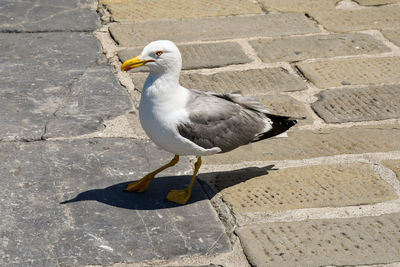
{"x": 328, "y": 195}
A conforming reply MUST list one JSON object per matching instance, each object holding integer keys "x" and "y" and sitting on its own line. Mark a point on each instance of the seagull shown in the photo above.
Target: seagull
{"x": 191, "y": 122}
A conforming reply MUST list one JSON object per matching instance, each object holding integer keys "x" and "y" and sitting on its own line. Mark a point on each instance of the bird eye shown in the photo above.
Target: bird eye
{"x": 158, "y": 53}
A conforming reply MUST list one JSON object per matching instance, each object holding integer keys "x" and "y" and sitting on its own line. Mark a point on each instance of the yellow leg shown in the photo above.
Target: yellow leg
{"x": 182, "y": 196}
{"x": 142, "y": 184}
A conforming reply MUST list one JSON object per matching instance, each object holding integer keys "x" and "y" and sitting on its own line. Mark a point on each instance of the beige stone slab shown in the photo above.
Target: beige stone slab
{"x": 359, "y": 104}
{"x": 303, "y": 187}
{"x": 143, "y": 10}
{"x": 298, "y": 5}
{"x": 334, "y": 242}
{"x": 375, "y": 2}
{"x": 393, "y": 36}
{"x": 206, "y": 29}
{"x": 249, "y": 82}
{"x": 317, "y": 46}
{"x": 352, "y": 71}
{"x": 385, "y": 17}
{"x": 303, "y": 144}
{"x": 394, "y": 165}
{"x": 196, "y": 56}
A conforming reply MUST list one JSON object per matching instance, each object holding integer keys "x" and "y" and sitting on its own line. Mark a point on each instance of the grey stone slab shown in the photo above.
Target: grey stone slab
{"x": 197, "y": 56}
{"x": 317, "y": 46}
{"x": 44, "y": 74}
{"x": 45, "y": 15}
{"x": 375, "y": 2}
{"x": 345, "y": 20}
{"x": 205, "y": 29}
{"x": 62, "y": 203}
{"x": 249, "y": 82}
{"x": 338, "y": 242}
{"x": 359, "y": 104}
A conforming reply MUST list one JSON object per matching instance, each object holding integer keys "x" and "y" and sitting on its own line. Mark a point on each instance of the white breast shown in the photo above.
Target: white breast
{"x": 160, "y": 114}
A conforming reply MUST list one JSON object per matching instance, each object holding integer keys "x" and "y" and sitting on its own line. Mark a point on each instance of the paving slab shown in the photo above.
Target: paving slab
{"x": 375, "y": 2}
{"x": 138, "y": 10}
{"x": 304, "y": 187}
{"x": 45, "y": 15}
{"x": 249, "y": 82}
{"x": 198, "y": 56}
{"x": 62, "y": 203}
{"x": 55, "y": 74}
{"x": 352, "y": 71}
{"x": 385, "y": 17}
{"x": 354, "y": 241}
{"x": 317, "y": 46}
{"x": 303, "y": 144}
{"x": 297, "y": 6}
{"x": 358, "y": 104}
{"x": 394, "y": 165}
{"x": 207, "y": 29}
{"x": 393, "y": 36}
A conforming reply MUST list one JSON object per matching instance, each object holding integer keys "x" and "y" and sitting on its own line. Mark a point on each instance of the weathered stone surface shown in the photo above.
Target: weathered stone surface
{"x": 205, "y": 29}
{"x": 303, "y": 187}
{"x": 302, "y": 144}
{"x": 45, "y": 15}
{"x": 298, "y": 5}
{"x": 249, "y": 82}
{"x": 137, "y": 10}
{"x": 375, "y": 2}
{"x": 386, "y": 17}
{"x": 55, "y": 73}
{"x": 99, "y": 224}
{"x": 359, "y": 104}
{"x": 317, "y": 46}
{"x": 393, "y": 36}
{"x": 394, "y": 165}
{"x": 367, "y": 240}
{"x": 197, "y": 56}
{"x": 352, "y": 71}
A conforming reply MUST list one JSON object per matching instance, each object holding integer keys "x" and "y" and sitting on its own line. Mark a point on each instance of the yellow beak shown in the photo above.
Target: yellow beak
{"x": 133, "y": 63}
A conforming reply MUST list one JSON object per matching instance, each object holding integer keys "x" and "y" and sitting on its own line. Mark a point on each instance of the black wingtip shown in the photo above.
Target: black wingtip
{"x": 280, "y": 124}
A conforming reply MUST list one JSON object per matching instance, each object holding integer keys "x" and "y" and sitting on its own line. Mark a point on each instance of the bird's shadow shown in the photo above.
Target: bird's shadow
{"x": 155, "y": 196}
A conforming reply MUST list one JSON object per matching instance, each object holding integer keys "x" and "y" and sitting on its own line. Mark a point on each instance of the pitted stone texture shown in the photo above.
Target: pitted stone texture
{"x": 375, "y": 2}
{"x": 393, "y": 36}
{"x": 45, "y": 15}
{"x": 286, "y": 106}
{"x": 100, "y": 224}
{"x": 138, "y": 10}
{"x": 206, "y": 29}
{"x": 55, "y": 74}
{"x": 197, "y": 56}
{"x": 302, "y": 144}
{"x": 359, "y": 104}
{"x": 249, "y": 82}
{"x": 304, "y": 187}
{"x": 352, "y": 71}
{"x": 335, "y": 242}
{"x": 317, "y": 46}
{"x": 394, "y": 165}
{"x": 298, "y": 5}
{"x": 386, "y": 17}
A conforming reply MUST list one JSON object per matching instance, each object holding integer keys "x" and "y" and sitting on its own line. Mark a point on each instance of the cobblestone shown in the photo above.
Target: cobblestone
{"x": 304, "y": 187}
{"x": 298, "y": 6}
{"x": 393, "y": 36}
{"x": 394, "y": 165}
{"x": 207, "y": 29}
{"x": 317, "y": 46}
{"x": 352, "y": 71}
{"x": 353, "y": 241}
{"x": 359, "y": 104}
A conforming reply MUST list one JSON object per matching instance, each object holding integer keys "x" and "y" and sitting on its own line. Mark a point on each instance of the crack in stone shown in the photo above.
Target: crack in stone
{"x": 66, "y": 99}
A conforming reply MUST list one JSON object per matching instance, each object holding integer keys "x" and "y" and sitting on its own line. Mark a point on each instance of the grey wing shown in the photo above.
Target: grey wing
{"x": 217, "y": 120}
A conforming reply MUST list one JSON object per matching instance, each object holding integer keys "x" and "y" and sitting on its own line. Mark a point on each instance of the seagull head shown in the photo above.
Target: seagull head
{"x": 160, "y": 56}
